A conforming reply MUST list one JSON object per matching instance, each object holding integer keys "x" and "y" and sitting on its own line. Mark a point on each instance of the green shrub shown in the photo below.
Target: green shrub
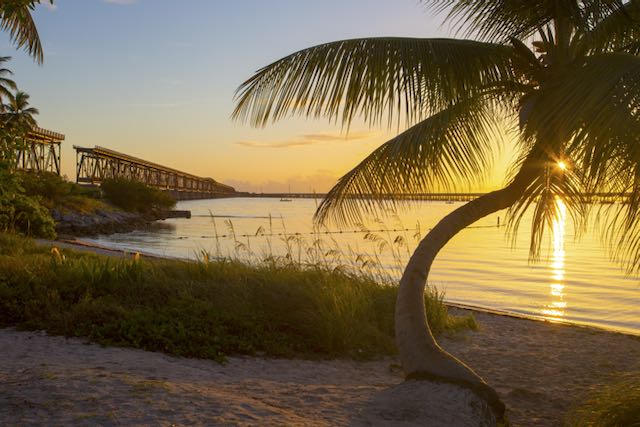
{"x": 135, "y": 196}
{"x": 19, "y": 212}
{"x": 205, "y": 309}
{"x": 47, "y": 185}
{"x": 614, "y": 405}
{"x": 56, "y": 192}
{"x": 26, "y": 215}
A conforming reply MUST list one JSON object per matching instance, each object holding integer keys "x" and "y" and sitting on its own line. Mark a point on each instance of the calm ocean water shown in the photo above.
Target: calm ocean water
{"x": 575, "y": 281}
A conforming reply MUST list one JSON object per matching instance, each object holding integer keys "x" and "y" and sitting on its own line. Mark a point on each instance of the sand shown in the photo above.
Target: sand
{"x": 539, "y": 369}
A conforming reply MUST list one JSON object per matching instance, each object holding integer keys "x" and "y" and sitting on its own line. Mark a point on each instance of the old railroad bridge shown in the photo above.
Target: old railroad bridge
{"x": 41, "y": 152}
{"x": 93, "y": 165}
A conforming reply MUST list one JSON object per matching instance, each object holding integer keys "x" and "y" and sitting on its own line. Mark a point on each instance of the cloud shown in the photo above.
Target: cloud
{"x": 121, "y": 2}
{"x": 308, "y": 139}
{"x": 319, "y": 181}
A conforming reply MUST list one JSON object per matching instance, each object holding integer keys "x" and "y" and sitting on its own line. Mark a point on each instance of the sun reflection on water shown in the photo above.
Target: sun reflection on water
{"x": 555, "y": 309}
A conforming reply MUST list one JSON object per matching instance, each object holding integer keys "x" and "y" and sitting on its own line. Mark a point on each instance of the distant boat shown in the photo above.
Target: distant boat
{"x": 284, "y": 199}
{"x": 449, "y": 202}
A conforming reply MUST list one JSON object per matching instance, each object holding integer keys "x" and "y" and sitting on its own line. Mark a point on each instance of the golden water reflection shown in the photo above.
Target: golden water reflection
{"x": 555, "y": 309}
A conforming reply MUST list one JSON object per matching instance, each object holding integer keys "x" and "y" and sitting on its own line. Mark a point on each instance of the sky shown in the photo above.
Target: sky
{"x": 156, "y": 79}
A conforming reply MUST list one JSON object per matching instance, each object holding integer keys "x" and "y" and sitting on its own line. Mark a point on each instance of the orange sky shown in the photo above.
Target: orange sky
{"x": 156, "y": 79}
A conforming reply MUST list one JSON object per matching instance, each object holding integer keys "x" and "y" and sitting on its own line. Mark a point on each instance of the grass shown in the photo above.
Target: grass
{"x": 614, "y": 405}
{"x": 207, "y": 309}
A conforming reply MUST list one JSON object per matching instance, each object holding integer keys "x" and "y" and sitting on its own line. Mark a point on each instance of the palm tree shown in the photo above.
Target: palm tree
{"x": 16, "y": 120}
{"x": 7, "y": 86}
{"x": 564, "y": 75}
{"x": 15, "y": 17}
{"x": 18, "y": 117}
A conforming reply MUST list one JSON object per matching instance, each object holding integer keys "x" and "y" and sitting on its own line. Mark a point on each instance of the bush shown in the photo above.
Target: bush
{"x": 19, "y": 212}
{"x": 26, "y": 215}
{"x": 55, "y": 191}
{"x": 135, "y": 196}
{"x": 206, "y": 309}
{"x": 614, "y": 405}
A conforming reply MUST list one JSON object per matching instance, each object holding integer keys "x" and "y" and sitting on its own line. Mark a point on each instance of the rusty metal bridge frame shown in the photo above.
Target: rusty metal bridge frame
{"x": 40, "y": 151}
{"x": 93, "y": 165}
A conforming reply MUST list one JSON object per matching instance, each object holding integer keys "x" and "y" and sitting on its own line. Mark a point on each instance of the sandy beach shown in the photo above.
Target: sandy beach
{"x": 539, "y": 369}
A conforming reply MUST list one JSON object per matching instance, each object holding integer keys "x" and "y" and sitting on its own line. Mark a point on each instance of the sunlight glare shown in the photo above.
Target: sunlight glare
{"x": 556, "y": 288}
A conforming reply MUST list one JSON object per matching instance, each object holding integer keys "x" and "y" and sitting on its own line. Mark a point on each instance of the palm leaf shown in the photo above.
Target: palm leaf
{"x": 452, "y": 146}
{"x": 15, "y": 17}
{"x": 373, "y": 78}
{"x": 594, "y": 109}
{"x": 619, "y": 30}
{"x": 500, "y": 20}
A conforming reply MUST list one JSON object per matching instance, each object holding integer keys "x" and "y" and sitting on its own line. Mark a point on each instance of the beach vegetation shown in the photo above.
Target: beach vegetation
{"x": 55, "y": 192}
{"x": 20, "y": 212}
{"x": 557, "y": 78}
{"x": 135, "y": 196}
{"x": 208, "y": 309}
{"x": 612, "y": 405}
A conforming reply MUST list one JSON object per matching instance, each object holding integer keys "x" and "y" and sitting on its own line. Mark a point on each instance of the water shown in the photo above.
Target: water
{"x": 575, "y": 281}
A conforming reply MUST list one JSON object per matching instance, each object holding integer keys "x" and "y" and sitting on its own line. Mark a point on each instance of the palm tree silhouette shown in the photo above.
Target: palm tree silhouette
{"x": 564, "y": 75}
{"x": 7, "y": 86}
{"x": 18, "y": 117}
{"x": 15, "y": 17}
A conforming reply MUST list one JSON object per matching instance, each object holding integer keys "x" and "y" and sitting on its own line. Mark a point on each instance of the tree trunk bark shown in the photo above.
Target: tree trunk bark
{"x": 419, "y": 352}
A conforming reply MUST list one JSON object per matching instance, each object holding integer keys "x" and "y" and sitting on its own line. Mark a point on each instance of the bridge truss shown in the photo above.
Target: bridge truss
{"x": 39, "y": 151}
{"x": 93, "y": 165}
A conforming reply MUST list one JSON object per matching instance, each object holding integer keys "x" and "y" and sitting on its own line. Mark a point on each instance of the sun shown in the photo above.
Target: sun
{"x": 562, "y": 165}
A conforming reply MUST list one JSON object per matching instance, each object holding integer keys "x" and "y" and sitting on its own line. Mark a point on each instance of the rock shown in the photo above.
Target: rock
{"x": 100, "y": 222}
{"x": 426, "y": 403}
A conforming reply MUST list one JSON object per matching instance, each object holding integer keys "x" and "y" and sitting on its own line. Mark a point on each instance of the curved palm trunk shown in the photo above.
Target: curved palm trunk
{"x": 419, "y": 352}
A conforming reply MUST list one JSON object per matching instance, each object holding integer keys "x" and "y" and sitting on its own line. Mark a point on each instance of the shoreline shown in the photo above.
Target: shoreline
{"x": 539, "y": 369}
{"x": 80, "y": 245}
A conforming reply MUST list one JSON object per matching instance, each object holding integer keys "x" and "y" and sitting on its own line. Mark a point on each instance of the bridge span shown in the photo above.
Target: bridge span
{"x": 594, "y": 198}
{"x": 93, "y": 165}
{"x": 39, "y": 151}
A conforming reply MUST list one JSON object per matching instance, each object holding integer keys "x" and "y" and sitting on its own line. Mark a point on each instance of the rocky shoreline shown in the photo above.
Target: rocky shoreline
{"x": 102, "y": 221}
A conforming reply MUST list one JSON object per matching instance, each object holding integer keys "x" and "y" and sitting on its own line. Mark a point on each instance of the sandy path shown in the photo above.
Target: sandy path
{"x": 539, "y": 369}
{"x": 51, "y": 380}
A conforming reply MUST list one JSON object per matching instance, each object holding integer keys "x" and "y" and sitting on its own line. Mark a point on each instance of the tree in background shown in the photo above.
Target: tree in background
{"x": 17, "y": 118}
{"x": 564, "y": 75}
{"x": 17, "y": 115}
{"x": 7, "y": 86}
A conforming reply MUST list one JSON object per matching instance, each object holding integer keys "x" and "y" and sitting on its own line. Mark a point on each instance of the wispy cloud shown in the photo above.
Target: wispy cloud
{"x": 308, "y": 139}
{"x": 121, "y": 2}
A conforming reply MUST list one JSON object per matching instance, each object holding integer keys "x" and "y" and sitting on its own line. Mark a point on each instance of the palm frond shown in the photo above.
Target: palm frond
{"x": 500, "y": 20}
{"x": 15, "y": 17}
{"x": 452, "y": 146}
{"x": 595, "y": 114}
{"x": 372, "y": 78}
{"x": 619, "y": 30}
{"x": 553, "y": 193}
{"x": 592, "y": 98}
